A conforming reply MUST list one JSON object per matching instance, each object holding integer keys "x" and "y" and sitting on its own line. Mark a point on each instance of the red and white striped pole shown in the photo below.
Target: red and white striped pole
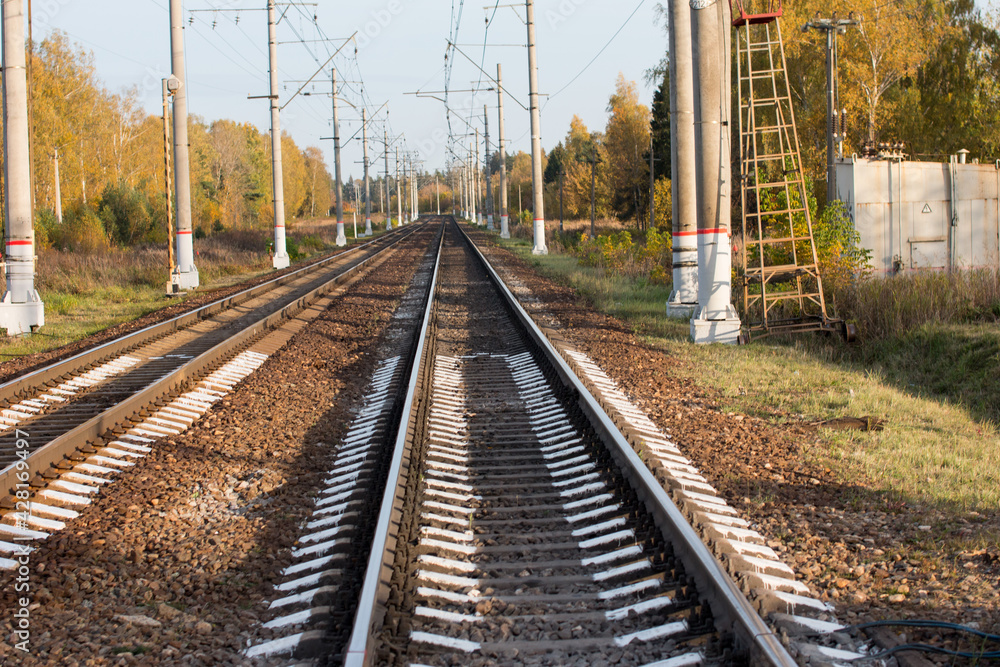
{"x": 21, "y": 310}
{"x": 716, "y": 320}
{"x": 185, "y": 275}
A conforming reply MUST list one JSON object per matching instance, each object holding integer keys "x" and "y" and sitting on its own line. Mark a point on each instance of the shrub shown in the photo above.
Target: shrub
{"x": 128, "y": 215}
{"x": 83, "y": 230}
{"x": 619, "y": 254}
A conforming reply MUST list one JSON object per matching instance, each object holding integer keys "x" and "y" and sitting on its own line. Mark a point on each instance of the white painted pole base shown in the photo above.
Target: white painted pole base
{"x": 678, "y": 310}
{"x": 21, "y": 318}
{"x": 489, "y": 222}
{"x": 282, "y": 261}
{"x": 540, "y": 247}
{"x": 388, "y": 224}
{"x": 368, "y": 227}
{"x": 727, "y": 331}
{"x": 683, "y": 301}
{"x": 504, "y": 227}
{"x": 341, "y": 236}
{"x": 187, "y": 280}
{"x": 716, "y": 320}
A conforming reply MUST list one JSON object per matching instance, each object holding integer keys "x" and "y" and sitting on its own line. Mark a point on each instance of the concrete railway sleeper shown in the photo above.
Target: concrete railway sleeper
{"x": 511, "y": 529}
{"x": 63, "y": 456}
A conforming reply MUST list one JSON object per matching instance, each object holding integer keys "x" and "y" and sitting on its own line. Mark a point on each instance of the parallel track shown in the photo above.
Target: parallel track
{"x": 52, "y": 414}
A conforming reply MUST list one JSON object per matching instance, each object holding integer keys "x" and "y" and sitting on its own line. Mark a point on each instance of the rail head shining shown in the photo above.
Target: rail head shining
{"x": 368, "y": 619}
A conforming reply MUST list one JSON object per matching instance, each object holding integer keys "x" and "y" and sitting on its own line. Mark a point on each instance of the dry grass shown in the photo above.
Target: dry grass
{"x": 888, "y": 307}
{"x": 87, "y": 292}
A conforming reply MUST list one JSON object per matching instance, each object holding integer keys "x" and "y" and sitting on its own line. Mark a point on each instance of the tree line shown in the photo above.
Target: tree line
{"x": 922, "y": 72}
{"x": 110, "y": 162}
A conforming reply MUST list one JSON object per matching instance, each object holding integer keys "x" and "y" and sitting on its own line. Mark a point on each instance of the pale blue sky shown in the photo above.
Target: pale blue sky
{"x": 401, "y": 49}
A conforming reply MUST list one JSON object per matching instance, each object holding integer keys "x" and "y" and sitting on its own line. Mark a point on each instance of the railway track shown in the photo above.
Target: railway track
{"x": 516, "y": 525}
{"x": 67, "y": 429}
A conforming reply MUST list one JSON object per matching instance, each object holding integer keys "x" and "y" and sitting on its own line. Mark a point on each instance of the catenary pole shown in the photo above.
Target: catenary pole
{"x": 489, "y": 184}
{"x": 186, "y": 274}
{"x": 414, "y": 190}
{"x": 280, "y": 259}
{"x": 479, "y": 183}
{"x": 536, "y": 137}
{"x": 59, "y": 215}
{"x": 684, "y": 218}
{"x": 399, "y": 192}
{"x": 21, "y": 310}
{"x": 716, "y": 320}
{"x": 388, "y": 215}
{"x": 504, "y": 217}
{"x": 368, "y": 184}
{"x": 341, "y": 237}
{"x": 437, "y": 191}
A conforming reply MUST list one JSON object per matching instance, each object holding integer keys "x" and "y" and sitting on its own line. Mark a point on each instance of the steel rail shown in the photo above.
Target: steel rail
{"x": 733, "y": 611}
{"x": 12, "y": 389}
{"x": 727, "y": 601}
{"x": 53, "y": 453}
{"x": 371, "y": 609}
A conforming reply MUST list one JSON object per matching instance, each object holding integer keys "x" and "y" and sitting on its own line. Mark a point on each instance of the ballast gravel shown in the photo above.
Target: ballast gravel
{"x": 872, "y": 558}
{"x": 173, "y": 564}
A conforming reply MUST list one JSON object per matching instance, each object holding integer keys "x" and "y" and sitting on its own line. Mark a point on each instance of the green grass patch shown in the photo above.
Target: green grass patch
{"x": 937, "y": 388}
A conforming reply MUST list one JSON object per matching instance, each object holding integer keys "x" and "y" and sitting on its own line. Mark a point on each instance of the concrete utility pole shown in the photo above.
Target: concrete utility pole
{"x": 684, "y": 297}
{"x": 479, "y": 183}
{"x": 368, "y": 183}
{"x": 388, "y": 216}
{"x": 168, "y": 189}
{"x": 59, "y": 217}
{"x": 399, "y": 192}
{"x": 341, "y": 237}
{"x": 489, "y": 185}
{"x": 21, "y": 310}
{"x": 504, "y": 218}
{"x": 354, "y": 209}
{"x": 186, "y": 275}
{"x": 473, "y": 166}
{"x": 537, "y": 184}
{"x": 280, "y": 259}
{"x": 716, "y": 320}
{"x": 414, "y": 191}
{"x": 832, "y": 27}
{"x": 465, "y": 209}
{"x": 404, "y": 191}
{"x": 437, "y": 191}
